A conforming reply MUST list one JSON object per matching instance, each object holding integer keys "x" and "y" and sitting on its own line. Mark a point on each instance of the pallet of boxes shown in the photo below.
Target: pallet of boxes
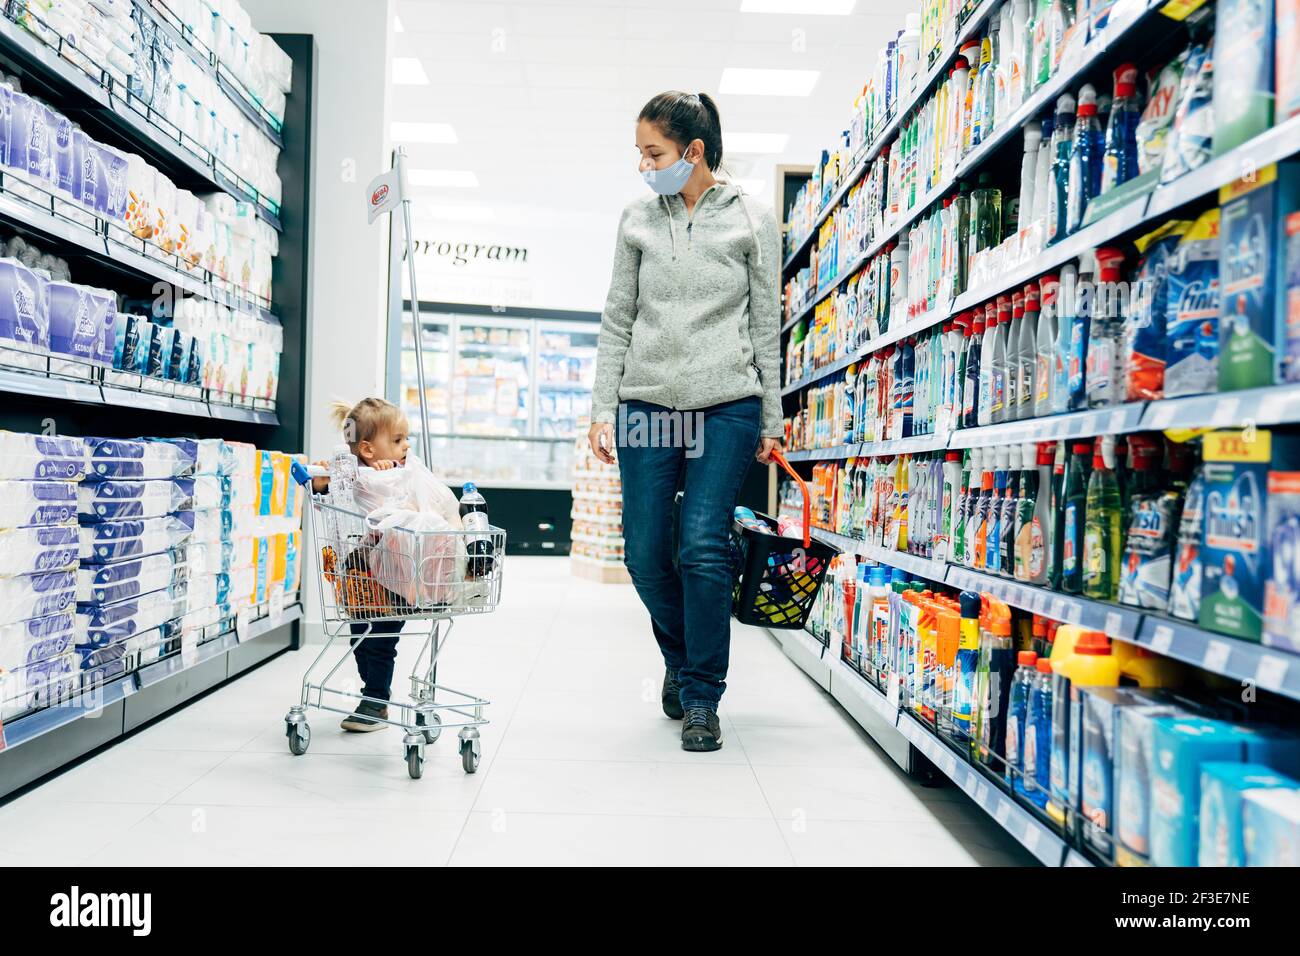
{"x": 596, "y": 551}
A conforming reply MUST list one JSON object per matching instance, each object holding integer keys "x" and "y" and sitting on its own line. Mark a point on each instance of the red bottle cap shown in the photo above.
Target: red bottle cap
{"x": 1125, "y": 80}
{"x": 1092, "y": 642}
{"x": 1044, "y": 666}
{"x": 1027, "y": 659}
{"x": 1017, "y": 306}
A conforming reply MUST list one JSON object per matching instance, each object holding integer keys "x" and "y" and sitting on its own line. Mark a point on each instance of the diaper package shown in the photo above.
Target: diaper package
{"x": 33, "y": 550}
{"x": 123, "y": 580}
{"x": 1282, "y": 589}
{"x": 82, "y": 322}
{"x": 118, "y": 458}
{"x": 102, "y": 624}
{"x": 35, "y": 640}
{"x": 29, "y": 596}
{"x": 39, "y": 685}
{"x": 37, "y": 503}
{"x": 1192, "y": 311}
{"x": 109, "y": 541}
{"x": 114, "y": 500}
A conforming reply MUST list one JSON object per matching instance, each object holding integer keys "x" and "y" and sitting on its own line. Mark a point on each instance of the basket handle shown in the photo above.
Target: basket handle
{"x": 803, "y": 488}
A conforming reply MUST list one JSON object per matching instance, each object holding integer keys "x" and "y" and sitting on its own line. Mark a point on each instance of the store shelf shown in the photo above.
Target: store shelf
{"x": 839, "y": 452}
{"x": 1035, "y": 836}
{"x": 1115, "y": 620}
{"x": 20, "y": 382}
{"x": 1098, "y": 421}
{"x": 927, "y": 568}
{"x": 896, "y": 332}
{"x": 1274, "y": 405}
{"x": 28, "y": 728}
{"x": 1271, "y": 668}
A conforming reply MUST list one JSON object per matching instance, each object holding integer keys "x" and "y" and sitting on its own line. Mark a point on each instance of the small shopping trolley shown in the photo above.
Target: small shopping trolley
{"x": 777, "y": 578}
{"x": 424, "y": 579}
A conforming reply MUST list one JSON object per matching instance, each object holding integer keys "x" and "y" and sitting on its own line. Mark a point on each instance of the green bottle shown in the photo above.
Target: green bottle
{"x": 1075, "y": 497}
{"x": 985, "y": 218}
{"x": 1102, "y": 538}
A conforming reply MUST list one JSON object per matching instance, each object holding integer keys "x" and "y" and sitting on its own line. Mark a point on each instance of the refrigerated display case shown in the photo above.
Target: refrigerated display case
{"x": 492, "y": 377}
{"x": 437, "y": 373}
{"x": 566, "y": 371}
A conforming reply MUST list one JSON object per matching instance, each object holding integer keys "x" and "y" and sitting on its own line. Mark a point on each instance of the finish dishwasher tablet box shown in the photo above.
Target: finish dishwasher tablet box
{"x": 1282, "y": 589}
{"x": 1272, "y": 827}
{"x": 1235, "y": 560}
{"x": 1192, "y": 310}
{"x": 1252, "y": 267}
{"x": 1243, "y": 83}
{"x": 1223, "y": 790}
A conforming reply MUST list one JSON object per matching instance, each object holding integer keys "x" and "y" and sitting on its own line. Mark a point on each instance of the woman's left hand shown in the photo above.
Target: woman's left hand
{"x": 765, "y": 448}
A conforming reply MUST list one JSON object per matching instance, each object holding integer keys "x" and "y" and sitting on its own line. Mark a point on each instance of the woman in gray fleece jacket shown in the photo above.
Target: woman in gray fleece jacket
{"x": 688, "y": 390}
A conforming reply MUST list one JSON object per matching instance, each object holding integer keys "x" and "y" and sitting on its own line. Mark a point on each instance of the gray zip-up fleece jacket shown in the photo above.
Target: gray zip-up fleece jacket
{"x": 693, "y": 313}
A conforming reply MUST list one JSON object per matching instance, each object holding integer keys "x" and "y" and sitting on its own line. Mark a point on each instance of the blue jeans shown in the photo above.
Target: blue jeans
{"x": 375, "y": 656}
{"x": 690, "y": 603}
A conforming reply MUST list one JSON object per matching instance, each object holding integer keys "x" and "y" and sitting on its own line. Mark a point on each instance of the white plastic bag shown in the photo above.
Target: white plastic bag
{"x": 412, "y": 487}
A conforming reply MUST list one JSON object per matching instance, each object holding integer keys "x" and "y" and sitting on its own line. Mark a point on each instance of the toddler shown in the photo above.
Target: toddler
{"x": 379, "y": 435}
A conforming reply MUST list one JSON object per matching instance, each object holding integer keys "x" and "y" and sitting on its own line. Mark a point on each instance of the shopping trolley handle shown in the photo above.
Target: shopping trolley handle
{"x": 305, "y": 473}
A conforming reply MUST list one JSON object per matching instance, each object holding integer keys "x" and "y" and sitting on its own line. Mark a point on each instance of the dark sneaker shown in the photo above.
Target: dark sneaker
{"x": 701, "y": 730}
{"x": 362, "y": 720}
{"x": 671, "y": 699}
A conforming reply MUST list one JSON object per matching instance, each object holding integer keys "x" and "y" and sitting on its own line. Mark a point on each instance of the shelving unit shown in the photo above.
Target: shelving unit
{"x": 44, "y": 740}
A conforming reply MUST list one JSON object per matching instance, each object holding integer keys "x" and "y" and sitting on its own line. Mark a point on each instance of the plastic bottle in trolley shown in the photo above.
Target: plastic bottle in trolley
{"x": 343, "y": 477}
{"x": 474, "y": 516}
{"x": 1085, "y": 159}
{"x": 1059, "y": 188}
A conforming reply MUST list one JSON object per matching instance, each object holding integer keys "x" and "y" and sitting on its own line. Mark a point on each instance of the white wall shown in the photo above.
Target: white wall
{"x": 349, "y": 275}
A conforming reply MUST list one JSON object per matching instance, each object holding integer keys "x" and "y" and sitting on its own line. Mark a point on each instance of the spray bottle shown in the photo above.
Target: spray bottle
{"x": 1017, "y": 714}
{"x": 1085, "y": 159}
{"x": 968, "y": 649}
{"x": 1028, "y": 166}
{"x": 1036, "y": 759}
{"x": 1080, "y": 326}
{"x": 1044, "y": 344}
{"x": 1121, "y": 162}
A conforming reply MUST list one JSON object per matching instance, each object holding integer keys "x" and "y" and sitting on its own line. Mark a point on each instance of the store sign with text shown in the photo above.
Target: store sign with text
{"x": 461, "y": 254}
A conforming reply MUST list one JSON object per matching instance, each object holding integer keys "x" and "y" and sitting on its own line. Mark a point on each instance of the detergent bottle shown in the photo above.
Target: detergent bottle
{"x": 1058, "y": 781}
{"x": 949, "y": 641}
{"x": 967, "y": 663}
{"x": 1091, "y": 665}
{"x": 1036, "y": 756}
{"x": 1000, "y": 667}
{"x": 1141, "y": 667}
{"x": 1018, "y": 714}
{"x": 877, "y": 628}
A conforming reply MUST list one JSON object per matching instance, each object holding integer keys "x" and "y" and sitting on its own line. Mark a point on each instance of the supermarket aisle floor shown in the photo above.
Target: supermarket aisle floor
{"x": 579, "y": 766}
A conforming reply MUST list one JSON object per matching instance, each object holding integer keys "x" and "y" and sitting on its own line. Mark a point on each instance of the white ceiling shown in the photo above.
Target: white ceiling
{"x": 543, "y": 94}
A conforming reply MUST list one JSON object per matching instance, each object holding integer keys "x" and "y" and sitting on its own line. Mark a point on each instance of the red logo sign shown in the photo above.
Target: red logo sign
{"x": 379, "y": 195}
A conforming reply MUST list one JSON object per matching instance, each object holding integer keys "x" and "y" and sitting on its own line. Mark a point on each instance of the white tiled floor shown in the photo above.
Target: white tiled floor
{"x": 579, "y": 766}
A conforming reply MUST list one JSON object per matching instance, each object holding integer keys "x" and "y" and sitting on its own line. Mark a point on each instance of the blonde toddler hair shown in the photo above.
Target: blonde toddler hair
{"x": 364, "y": 420}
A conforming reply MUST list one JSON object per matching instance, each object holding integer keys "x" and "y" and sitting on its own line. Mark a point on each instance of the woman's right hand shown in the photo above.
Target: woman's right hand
{"x": 601, "y": 438}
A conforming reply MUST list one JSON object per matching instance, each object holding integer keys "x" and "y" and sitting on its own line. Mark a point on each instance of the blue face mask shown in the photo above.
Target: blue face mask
{"x": 669, "y": 182}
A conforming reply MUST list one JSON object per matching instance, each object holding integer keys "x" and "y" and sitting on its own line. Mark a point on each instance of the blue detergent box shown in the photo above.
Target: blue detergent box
{"x": 1181, "y": 745}
{"x": 1100, "y": 756}
{"x": 1135, "y": 750}
{"x": 1243, "y": 84}
{"x": 1235, "y": 559}
{"x": 1271, "y": 824}
{"x": 1252, "y": 274}
{"x": 1223, "y": 788}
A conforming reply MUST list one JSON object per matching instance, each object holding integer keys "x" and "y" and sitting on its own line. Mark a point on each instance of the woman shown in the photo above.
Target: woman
{"x": 687, "y": 368}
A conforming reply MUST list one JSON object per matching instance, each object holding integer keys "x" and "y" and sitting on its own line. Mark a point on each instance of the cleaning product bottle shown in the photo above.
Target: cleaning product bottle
{"x": 1010, "y": 504}
{"x": 949, "y": 639}
{"x": 999, "y": 669}
{"x": 988, "y": 350}
{"x": 1056, "y": 505}
{"x": 993, "y": 535}
{"x": 951, "y": 492}
{"x": 957, "y": 550}
{"x": 999, "y": 382}
{"x": 1026, "y": 508}
{"x": 1043, "y": 181}
{"x": 1028, "y": 166}
{"x": 980, "y": 519}
{"x": 876, "y": 629}
{"x": 1075, "y": 497}
{"x": 1121, "y": 162}
{"x": 904, "y": 389}
{"x": 985, "y": 219}
{"x": 1062, "y": 150}
{"x": 850, "y": 595}
{"x": 1102, "y": 539}
{"x": 1017, "y": 714}
{"x": 958, "y": 87}
{"x": 1003, "y": 42}
{"x": 1140, "y": 667}
{"x": 966, "y": 524}
{"x": 1021, "y": 36}
{"x": 1041, "y": 61}
{"x": 1080, "y": 326}
{"x": 1105, "y": 362}
{"x": 981, "y": 124}
{"x": 1040, "y": 546}
{"x": 1085, "y": 159}
{"x": 1020, "y": 365}
{"x": 1036, "y": 758}
{"x": 1067, "y": 297}
{"x": 968, "y": 649}
{"x": 1060, "y": 26}
{"x": 1092, "y": 665}
{"x": 1067, "y": 636}
{"x": 1044, "y": 344}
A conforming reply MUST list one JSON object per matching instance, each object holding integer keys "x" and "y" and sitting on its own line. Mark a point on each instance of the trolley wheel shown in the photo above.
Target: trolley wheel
{"x": 414, "y": 762}
{"x": 433, "y": 727}
{"x": 299, "y": 739}
{"x": 469, "y": 756}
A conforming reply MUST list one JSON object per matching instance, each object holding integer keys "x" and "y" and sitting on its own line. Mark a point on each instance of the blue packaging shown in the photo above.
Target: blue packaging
{"x": 1271, "y": 825}
{"x": 25, "y": 504}
{"x": 1288, "y": 312}
{"x": 82, "y": 322}
{"x": 162, "y": 341}
{"x": 24, "y": 317}
{"x": 41, "y": 457}
{"x": 35, "y": 640}
{"x": 204, "y": 493}
{"x": 1282, "y": 589}
{"x": 1243, "y": 94}
{"x": 1144, "y": 332}
{"x": 1100, "y": 756}
{"x": 194, "y": 374}
{"x": 109, "y": 541}
{"x": 28, "y": 138}
{"x": 1192, "y": 311}
{"x": 109, "y": 458}
{"x": 1181, "y": 746}
{"x": 123, "y": 580}
{"x": 116, "y": 499}
{"x": 126, "y": 339}
{"x": 28, "y": 596}
{"x": 102, "y": 624}
{"x": 1252, "y": 244}
{"x": 32, "y": 550}
{"x": 178, "y": 366}
{"x": 1223, "y": 789}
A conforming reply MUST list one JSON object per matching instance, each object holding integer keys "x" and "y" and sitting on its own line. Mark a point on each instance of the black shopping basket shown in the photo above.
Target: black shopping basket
{"x": 778, "y": 577}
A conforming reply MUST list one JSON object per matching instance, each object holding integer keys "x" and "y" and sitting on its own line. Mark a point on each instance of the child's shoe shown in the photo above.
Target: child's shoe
{"x": 361, "y": 721}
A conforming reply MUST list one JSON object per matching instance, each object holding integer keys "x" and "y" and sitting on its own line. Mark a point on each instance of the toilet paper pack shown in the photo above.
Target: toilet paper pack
{"x": 32, "y": 550}
{"x": 36, "y": 640}
{"x": 113, "y": 500}
{"x": 119, "y": 458}
{"x": 206, "y": 492}
{"x": 109, "y": 541}
{"x": 123, "y": 580}
{"x": 41, "y": 457}
{"x": 211, "y": 456}
{"x": 39, "y": 685}
{"x": 26, "y": 504}
{"x": 24, "y": 318}
{"x": 82, "y": 322}
{"x": 29, "y": 596}
{"x": 102, "y": 624}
